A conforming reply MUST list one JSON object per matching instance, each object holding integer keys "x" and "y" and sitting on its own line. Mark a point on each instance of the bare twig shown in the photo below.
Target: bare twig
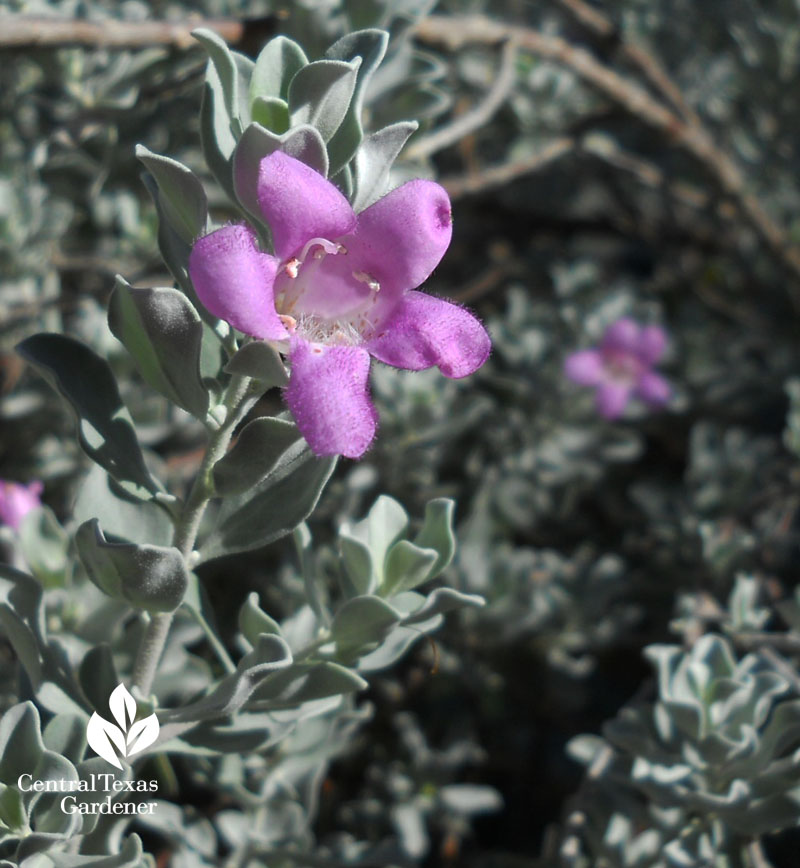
{"x": 486, "y": 282}
{"x": 652, "y": 70}
{"x": 591, "y": 18}
{"x": 478, "y": 116}
{"x": 504, "y": 173}
{"x": 455, "y": 32}
{"x": 648, "y": 173}
{"x": 19, "y": 31}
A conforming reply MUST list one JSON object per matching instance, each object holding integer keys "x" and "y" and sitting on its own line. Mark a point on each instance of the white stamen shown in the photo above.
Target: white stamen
{"x": 327, "y": 247}
{"x": 291, "y": 267}
{"x": 363, "y": 277}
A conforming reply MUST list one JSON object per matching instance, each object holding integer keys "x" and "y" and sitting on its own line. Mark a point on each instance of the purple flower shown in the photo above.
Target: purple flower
{"x": 17, "y": 500}
{"x": 621, "y": 368}
{"x": 339, "y": 290}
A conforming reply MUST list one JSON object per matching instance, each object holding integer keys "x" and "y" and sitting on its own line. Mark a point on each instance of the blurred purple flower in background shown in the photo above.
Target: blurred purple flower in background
{"x": 621, "y": 368}
{"x": 338, "y": 291}
{"x": 17, "y": 500}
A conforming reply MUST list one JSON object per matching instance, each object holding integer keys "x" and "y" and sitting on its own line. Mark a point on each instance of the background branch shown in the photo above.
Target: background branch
{"x": 503, "y": 173}
{"x": 454, "y": 33}
{"x": 603, "y": 27}
{"x": 20, "y": 31}
{"x": 477, "y": 117}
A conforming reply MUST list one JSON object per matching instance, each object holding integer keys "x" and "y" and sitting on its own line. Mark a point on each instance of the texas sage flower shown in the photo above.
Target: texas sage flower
{"x": 621, "y": 367}
{"x": 17, "y": 500}
{"x": 339, "y": 289}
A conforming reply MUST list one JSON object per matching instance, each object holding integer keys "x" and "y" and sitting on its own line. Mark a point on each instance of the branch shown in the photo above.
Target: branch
{"x": 455, "y": 32}
{"x": 475, "y": 118}
{"x": 20, "y": 31}
{"x": 649, "y": 66}
{"x": 496, "y": 176}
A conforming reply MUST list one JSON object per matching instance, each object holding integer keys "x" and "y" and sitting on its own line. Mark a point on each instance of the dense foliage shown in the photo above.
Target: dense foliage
{"x": 532, "y": 625}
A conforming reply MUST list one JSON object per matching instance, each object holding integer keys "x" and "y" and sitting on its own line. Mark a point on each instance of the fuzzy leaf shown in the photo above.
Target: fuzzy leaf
{"x": 21, "y": 745}
{"x": 437, "y": 532}
{"x": 164, "y": 334}
{"x": 105, "y": 428}
{"x": 262, "y": 445}
{"x": 373, "y": 162}
{"x": 271, "y": 113}
{"x": 253, "y": 620}
{"x": 358, "y": 563}
{"x": 123, "y": 516}
{"x": 260, "y": 361}
{"x": 270, "y": 654}
{"x": 216, "y": 137}
{"x": 224, "y": 64}
{"x": 362, "y": 621}
{"x": 271, "y": 509}
{"x": 153, "y": 578}
{"x": 441, "y": 601}
{"x": 181, "y": 193}
{"x": 407, "y": 565}
{"x": 44, "y": 545}
{"x": 303, "y": 142}
{"x": 276, "y": 65}
{"x": 320, "y": 95}
{"x": 370, "y": 47}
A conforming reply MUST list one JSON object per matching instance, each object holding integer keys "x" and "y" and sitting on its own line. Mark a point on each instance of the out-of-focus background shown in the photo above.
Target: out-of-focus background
{"x": 606, "y": 160}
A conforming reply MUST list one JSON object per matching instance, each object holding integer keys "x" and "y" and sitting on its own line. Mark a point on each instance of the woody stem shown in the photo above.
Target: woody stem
{"x": 185, "y": 533}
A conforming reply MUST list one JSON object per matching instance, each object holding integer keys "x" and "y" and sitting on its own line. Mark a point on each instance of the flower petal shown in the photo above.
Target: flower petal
{"x": 234, "y": 280}
{"x": 652, "y": 343}
{"x": 585, "y": 367}
{"x": 622, "y": 336}
{"x": 402, "y": 237}
{"x": 328, "y": 394}
{"x": 300, "y": 204}
{"x": 653, "y": 388}
{"x": 612, "y": 398}
{"x": 17, "y": 500}
{"x": 425, "y": 331}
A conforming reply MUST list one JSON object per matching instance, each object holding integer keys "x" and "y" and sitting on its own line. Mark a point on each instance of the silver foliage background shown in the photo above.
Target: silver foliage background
{"x": 629, "y": 695}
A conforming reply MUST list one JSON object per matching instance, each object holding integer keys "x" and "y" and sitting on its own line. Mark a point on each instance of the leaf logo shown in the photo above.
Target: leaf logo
{"x": 129, "y": 737}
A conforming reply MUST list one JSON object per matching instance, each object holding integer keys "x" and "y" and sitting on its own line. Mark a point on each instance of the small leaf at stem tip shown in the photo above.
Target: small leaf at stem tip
{"x": 153, "y": 578}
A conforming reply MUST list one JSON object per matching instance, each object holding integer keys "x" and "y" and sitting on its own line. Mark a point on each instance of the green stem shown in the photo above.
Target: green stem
{"x": 186, "y": 528}
{"x": 219, "y": 649}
